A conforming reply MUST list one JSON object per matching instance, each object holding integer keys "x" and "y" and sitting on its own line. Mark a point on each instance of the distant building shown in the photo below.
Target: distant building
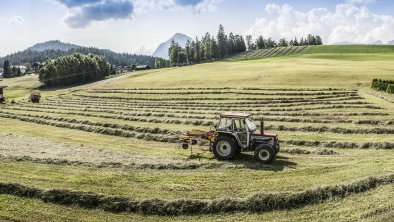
{"x": 22, "y": 68}
{"x": 142, "y": 67}
{"x": 36, "y": 66}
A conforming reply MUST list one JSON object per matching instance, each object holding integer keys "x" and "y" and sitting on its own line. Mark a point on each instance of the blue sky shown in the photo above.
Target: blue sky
{"x": 140, "y": 25}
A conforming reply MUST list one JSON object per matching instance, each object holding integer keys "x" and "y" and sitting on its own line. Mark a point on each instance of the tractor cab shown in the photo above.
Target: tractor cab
{"x": 236, "y": 133}
{"x": 239, "y": 125}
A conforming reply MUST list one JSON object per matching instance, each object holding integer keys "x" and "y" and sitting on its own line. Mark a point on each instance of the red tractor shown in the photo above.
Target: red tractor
{"x": 35, "y": 97}
{"x": 234, "y": 134}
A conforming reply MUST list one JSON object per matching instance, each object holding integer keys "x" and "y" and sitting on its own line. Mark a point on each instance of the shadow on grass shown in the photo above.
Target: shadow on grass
{"x": 279, "y": 164}
{"x": 248, "y": 161}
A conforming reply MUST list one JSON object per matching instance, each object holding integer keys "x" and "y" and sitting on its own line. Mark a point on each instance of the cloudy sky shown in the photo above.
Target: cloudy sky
{"x": 138, "y": 26}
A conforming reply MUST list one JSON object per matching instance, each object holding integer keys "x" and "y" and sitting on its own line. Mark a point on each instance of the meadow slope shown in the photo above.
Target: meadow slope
{"x": 117, "y": 138}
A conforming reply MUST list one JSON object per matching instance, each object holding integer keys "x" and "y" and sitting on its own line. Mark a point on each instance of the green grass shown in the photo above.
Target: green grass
{"x": 378, "y": 208}
{"x": 321, "y": 67}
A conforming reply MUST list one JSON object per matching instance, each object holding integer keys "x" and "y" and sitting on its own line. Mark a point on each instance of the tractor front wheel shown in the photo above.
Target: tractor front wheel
{"x": 264, "y": 153}
{"x": 224, "y": 148}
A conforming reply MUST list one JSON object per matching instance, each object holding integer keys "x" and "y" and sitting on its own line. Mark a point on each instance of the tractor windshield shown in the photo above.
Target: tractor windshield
{"x": 225, "y": 124}
{"x": 250, "y": 124}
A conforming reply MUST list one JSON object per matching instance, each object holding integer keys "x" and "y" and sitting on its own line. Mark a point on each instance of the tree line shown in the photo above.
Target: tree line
{"x": 119, "y": 59}
{"x": 207, "y": 48}
{"x": 211, "y": 48}
{"x": 74, "y": 69}
{"x": 261, "y": 43}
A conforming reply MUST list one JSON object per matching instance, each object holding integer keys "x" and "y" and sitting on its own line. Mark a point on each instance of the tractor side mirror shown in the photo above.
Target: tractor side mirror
{"x": 262, "y": 127}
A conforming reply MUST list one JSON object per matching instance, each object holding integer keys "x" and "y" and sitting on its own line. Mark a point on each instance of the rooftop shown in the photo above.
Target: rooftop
{"x": 234, "y": 115}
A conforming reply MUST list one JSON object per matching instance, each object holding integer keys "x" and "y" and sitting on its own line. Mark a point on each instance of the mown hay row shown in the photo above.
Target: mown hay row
{"x": 342, "y": 145}
{"x": 207, "y": 105}
{"x": 217, "y": 93}
{"x": 250, "y": 100}
{"x": 122, "y": 115}
{"x": 318, "y": 151}
{"x": 185, "y": 165}
{"x": 203, "y": 123}
{"x": 339, "y": 130}
{"x": 83, "y": 125}
{"x": 258, "y": 202}
{"x": 207, "y": 112}
{"x": 230, "y": 88}
{"x": 207, "y": 98}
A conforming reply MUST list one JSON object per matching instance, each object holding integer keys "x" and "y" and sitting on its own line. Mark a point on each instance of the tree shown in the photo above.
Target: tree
{"x": 18, "y": 72}
{"x": 222, "y": 42}
{"x": 283, "y": 43}
{"x": 7, "y": 69}
{"x": 260, "y": 42}
{"x": 189, "y": 50}
{"x": 295, "y": 42}
{"x": 173, "y": 52}
{"x": 318, "y": 40}
{"x": 249, "y": 42}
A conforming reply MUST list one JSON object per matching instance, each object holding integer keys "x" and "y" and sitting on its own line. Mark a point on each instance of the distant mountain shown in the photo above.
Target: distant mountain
{"x": 53, "y": 44}
{"x": 390, "y": 42}
{"x": 345, "y": 43}
{"x": 54, "y": 49}
{"x": 378, "y": 42}
{"x": 162, "y": 50}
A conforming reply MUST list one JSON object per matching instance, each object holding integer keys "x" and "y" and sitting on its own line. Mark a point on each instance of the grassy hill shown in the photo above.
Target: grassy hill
{"x": 341, "y": 52}
{"x": 117, "y": 137}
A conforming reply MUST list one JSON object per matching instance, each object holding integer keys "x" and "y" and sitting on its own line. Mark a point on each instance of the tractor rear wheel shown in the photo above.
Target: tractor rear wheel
{"x": 224, "y": 148}
{"x": 264, "y": 153}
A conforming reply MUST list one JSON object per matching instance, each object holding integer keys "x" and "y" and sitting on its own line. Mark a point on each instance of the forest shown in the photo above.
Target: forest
{"x": 211, "y": 48}
{"x": 118, "y": 59}
{"x": 74, "y": 69}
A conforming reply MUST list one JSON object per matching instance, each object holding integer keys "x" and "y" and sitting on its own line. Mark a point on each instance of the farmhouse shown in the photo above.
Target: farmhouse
{"x": 36, "y": 66}
{"x": 22, "y": 68}
{"x": 142, "y": 67}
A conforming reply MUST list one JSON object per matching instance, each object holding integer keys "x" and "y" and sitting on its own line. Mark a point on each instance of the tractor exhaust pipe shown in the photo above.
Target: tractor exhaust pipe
{"x": 262, "y": 126}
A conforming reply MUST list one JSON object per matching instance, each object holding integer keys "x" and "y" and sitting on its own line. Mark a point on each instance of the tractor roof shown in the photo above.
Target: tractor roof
{"x": 234, "y": 115}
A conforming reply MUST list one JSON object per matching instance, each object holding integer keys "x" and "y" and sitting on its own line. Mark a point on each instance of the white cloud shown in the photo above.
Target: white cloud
{"x": 348, "y": 22}
{"x": 360, "y": 1}
{"x": 14, "y": 20}
{"x": 207, "y": 6}
{"x": 198, "y": 6}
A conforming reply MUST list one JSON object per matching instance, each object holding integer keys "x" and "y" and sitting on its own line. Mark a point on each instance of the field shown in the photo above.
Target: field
{"x": 107, "y": 151}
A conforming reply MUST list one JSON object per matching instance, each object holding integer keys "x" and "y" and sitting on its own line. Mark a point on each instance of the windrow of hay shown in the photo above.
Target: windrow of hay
{"x": 208, "y": 112}
{"x": 264, "y": 104}
{"x": 168, "y": 92}
{"x": 258, "y": 202}
{"x": 199, "y": 123}
{"x": 232, "y": 88}
{"x": 207, "y": 98}
{"x": 185, "y": 165}
{"x": 342, "y": 145}
{"x": 245, "y": 109}
{"x": 248, "y": 101}
{"x": 339, "y": 130}
{"x": 126, "y": 116}
{"x": 318, "y": 151}
{"x": 83, "y": 125}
